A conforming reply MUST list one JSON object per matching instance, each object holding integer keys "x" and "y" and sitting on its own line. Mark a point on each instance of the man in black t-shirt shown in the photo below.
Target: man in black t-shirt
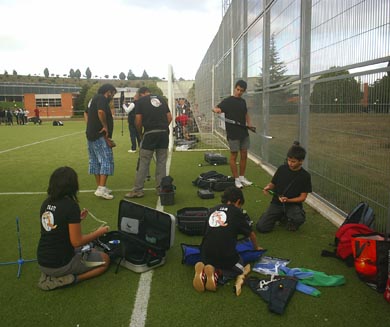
{"x": 289, "y": 186}
{"x": 234, "y": 108}
{"x": 100, "y": 126}
{"x": 152, "y": 119}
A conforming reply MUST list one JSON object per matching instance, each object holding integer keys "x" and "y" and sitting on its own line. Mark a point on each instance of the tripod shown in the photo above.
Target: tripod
{"x": 20, "y": 261}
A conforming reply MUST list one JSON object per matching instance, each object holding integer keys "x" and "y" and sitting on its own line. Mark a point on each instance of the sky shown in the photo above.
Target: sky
{"x": 108, "y": 36}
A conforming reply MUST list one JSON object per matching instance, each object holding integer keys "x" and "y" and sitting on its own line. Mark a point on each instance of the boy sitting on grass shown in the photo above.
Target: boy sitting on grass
{"x": 219, "y": 258}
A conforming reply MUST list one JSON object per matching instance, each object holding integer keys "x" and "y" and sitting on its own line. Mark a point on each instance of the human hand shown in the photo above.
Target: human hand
{"x": 104, "y": 229}
{"x": 104, "y": 131}
{"x": 283, "y": 199}
{"x": 83, "y": 213}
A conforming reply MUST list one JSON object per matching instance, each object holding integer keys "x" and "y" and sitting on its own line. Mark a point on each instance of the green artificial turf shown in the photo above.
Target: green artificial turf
{"x": 28, "y": 155}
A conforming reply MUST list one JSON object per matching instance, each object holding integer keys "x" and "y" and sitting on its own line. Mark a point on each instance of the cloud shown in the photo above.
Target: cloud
{"x": 108, "y": 37}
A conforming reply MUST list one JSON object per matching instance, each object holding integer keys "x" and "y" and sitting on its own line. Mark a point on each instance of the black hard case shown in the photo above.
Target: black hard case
{"x": 192, "y": 220}
{"x": 145, "y": 235}
{"x": 215, "y": 158}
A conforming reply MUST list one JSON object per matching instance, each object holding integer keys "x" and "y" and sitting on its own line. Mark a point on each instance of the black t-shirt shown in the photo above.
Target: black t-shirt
{"x": 55, "y": 249}
{"x": 153, "y": 109}
{"x": 290, "y": 183}
{"x": 218, "y": 247}
{"x": 235, "y": 109}
{"x": 94, "y": 126}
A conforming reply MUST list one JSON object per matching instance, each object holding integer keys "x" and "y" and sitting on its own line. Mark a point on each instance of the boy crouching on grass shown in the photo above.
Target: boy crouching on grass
{"x": 219, "y": 258}
{"x": 289, "y": 186}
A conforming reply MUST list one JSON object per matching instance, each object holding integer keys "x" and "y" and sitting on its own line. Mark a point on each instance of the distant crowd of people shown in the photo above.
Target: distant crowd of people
{"x": 21, "y": 116}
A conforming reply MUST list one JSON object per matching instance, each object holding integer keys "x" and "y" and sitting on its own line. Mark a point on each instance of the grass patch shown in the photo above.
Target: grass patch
{"x": 108, "y": 300}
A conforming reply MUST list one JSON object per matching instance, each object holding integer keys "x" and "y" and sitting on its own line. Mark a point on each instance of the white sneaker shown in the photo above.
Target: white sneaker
{"x": 238, "y": 183}
{"x": 102, "y": 193}
{"x": 131, "y": 151}
{"x": 244, "y": 181}
{"x": 108, "y": 190}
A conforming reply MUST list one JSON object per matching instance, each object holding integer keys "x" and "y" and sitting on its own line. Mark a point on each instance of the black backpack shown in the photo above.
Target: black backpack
{"x": 361, "y": 214}
{"x": 213, "y": 180}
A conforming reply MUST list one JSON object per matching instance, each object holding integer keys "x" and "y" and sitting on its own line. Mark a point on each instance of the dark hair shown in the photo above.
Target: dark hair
{"x": 296, "y": 151}
{"x": 241, "y": 83}
{"x": 232, "y": 194}
{"x": 105, "y": 88}
{"x": 143, "y": 90}
{"x": 63, "y": 182}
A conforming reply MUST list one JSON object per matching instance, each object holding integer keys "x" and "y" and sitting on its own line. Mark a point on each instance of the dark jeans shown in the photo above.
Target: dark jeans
{"x": 134, "y": 137}
{"x": 292, "y": 214}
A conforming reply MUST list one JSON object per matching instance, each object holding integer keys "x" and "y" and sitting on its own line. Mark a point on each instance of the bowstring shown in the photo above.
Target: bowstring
{"x": 102, "y": 222}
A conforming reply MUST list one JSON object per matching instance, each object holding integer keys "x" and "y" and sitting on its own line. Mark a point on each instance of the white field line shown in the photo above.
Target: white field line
{"x": 38, "y": 142}
{"x": 140, "y": 310}
{"x": 80, "y": 191}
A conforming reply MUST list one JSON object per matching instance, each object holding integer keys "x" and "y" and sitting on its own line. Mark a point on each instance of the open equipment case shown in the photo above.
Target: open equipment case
{"x": 144, "y": 236}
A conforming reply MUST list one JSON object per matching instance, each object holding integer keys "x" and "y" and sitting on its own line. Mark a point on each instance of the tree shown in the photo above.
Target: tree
{"x": 107, "y": 76}
{"x": 145, "y": 75}
{"x": 77, "y": 74}
{"x": 90, "y": 93}
{"x": 79, "y": 103}
{"x": 71, "y": 73}
{"x": 131, "y": 76}
{"x": 5, "y": 73}
{"x": 14, "y": 73}
{"x": 122, "y": 76}
{"x": 88, "y": 73}
{"x": 277, "y": 67}
{"x": 337, "y": 94}
{"x": 379, "y": 95}
{"x": 46, "y": 72}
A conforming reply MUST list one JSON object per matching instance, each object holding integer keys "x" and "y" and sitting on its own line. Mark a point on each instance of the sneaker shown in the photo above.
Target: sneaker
{"x": 199, "y": 278}
{"x": 244, "y": 181}
{"x": 107, "y": 190}
{"x": 238, "y": 183}
{"x": 48, "y": 283}
{"x": 211, "y": 283}
{"x": 134, "y": 194}
{"x": 131, "y": 151}
{"x": 102, "y": 193}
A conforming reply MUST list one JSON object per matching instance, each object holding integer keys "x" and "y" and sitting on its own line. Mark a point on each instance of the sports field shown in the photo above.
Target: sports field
{"x": 164, "y": 296}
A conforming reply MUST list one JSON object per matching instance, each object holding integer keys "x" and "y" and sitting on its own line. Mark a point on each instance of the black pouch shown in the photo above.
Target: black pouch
{"x": 206, "y": 194}
{"x": 277, "y": 293}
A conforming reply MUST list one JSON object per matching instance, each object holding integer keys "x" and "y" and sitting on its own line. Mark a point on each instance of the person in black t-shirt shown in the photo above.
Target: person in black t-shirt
{"x": 290, "y": 186}
{"x": 219, "y": 257}
{"x": 152, "y": 119}
{"x": 135, "y": 139}
{"x": 234, "y": 108}
{"x": 100, "y": 126}
{"x": 60, "y": 256}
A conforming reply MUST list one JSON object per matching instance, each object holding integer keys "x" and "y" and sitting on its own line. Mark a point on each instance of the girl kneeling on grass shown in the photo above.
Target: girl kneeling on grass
{"x": 219, "y": 258}
{"x": 60, "y": 258}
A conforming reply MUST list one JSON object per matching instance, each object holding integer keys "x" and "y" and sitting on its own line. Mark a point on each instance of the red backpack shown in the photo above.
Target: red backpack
{"x": 343, "y": 240}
